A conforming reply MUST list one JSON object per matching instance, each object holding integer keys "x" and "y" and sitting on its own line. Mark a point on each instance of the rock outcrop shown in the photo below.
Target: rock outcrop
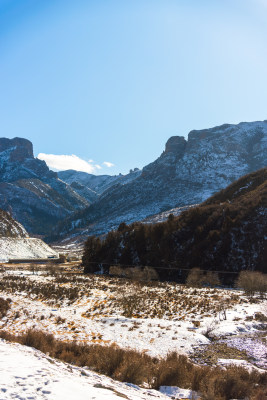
{"x": 176, "y": 145}
{"x": 33, "y": 193}
{"x": 19, "y": 148}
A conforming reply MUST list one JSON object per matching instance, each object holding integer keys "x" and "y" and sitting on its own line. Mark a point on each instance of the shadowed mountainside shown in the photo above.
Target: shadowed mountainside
{"x": 227, "y": 232}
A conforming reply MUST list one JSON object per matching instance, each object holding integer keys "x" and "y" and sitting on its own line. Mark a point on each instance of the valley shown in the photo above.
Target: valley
{"x": 145, "y": 285}
{"x": 211, "y": 326}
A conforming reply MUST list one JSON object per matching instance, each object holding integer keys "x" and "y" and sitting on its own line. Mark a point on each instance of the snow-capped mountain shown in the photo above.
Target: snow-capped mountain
{"x": 97, "y": 183}
{"x": 33, "y": 193}
{"x": 187, "y": 172}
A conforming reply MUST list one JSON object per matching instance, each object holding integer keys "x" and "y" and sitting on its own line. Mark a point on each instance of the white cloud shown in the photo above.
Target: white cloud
{"x": 108, "y": 164}
{"x": 63, "y": 162}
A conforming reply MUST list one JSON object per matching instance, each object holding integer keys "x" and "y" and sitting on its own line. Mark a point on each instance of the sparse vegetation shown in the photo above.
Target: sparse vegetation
{"x": 48, "y": 291}
{"x": 139, "y": 368}
{"x": 125, "y": 304}
{"x": 130, "y": 298}
{"x": 4, "y": 306}
{"x": 252, "y": 282}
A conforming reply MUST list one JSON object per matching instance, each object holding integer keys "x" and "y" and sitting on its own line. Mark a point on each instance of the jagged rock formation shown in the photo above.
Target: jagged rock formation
{"x": 30, "y": 191}
{"x": 187, "y": 172}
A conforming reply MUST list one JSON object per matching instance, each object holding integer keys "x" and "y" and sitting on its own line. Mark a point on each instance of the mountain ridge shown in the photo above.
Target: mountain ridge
{"x": 187, "y": 172}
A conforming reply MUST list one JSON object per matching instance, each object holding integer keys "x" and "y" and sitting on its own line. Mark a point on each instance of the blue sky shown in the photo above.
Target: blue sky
{"x": 109, "y": 81}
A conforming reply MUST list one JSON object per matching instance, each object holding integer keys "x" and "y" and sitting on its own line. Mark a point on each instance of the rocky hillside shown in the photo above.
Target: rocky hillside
{"x": 187, "y": 172}
{"x": 32, "y": 193}
{"x": 9, "y": 227}
{"x": 25, "y": 249}
{"x": 228, "y": 232}
{"x": 15, "y": 242}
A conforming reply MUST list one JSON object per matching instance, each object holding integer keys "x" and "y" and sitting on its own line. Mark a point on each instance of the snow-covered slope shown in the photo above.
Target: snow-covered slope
{"x": 163, "y": 216}
{"x": 98, "y": 183}
{"x": 16, "y": 244}
{"x": 187, "y": 172}
{"x": 24, "y": 248}
{"x": 9, "y": 227}
{"x": 28, "y": 374}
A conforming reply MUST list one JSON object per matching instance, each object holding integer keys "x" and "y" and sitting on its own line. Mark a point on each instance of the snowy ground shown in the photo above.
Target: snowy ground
{"x": 28, "y": 374}
{"x": 154, "y": 319}
{"x": 163, "y": 216}
{"x": 24, "y": 248}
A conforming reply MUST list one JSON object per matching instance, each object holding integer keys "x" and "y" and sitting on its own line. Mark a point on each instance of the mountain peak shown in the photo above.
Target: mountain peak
{"x": 20, "y": 149}
{"x": 176, "y": 144}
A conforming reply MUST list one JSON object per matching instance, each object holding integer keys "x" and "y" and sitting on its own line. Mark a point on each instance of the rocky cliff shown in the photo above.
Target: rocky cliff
{"x": 30, "y": 191}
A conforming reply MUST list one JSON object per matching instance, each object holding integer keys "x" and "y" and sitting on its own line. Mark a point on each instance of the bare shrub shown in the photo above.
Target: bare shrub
{"x": 145, "y": 274}
{"x": 212, "y": 279}
{"x": 38, "y": 340}
{"x": 175, "y": 370}
{"x": 252, "y": 282}
{"x": 232, "y": 383}
{"x": 60, "y": 320}
{"x": 195, "y": 278}
{"x": 53, "y": 270}
{"x": 260, "y": 395}
{"x": 4, "y": 306}
{"x": 116, "y": 270}
{"x": 49, "y": 291}
{"x": 133, "y": 368}
{"x": 17, "y": 315}
{"x": 136, "y": 368}
{"x": 150, "y": 274}
{"x": 135, "y": 273}
{"x": 209, "y": 331}
{"x": 260, "y": 317}
{"x": 198, "y": 278}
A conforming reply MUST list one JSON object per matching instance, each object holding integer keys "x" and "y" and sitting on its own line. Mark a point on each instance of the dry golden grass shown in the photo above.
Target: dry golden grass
{"x": 117, "y": 296}
{"x": 139, "y": 368}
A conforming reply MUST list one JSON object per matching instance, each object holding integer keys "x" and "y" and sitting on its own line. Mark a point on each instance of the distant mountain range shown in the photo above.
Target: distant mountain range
{"x": 75, "y": 204}
{"x": 37, "y": 196}
{"x": 98, "y": 184}
{"x": 186, "y": 173}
